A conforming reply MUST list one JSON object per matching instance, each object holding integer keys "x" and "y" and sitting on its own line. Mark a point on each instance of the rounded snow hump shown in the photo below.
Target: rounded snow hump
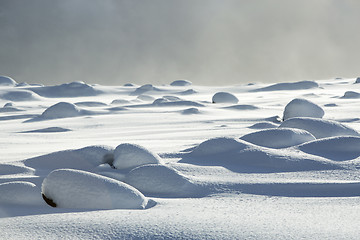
{"x": 300, "y": 107}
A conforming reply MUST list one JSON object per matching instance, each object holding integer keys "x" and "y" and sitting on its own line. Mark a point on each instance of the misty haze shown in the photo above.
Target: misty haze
{"x": 208, "y": 42}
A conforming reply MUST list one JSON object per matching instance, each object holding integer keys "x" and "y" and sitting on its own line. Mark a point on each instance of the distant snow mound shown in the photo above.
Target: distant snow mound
{"x": 145, "y": 98}
{"x": 120, "y": 102}
{"x": 187, "y": 92}
{"x": 86, "y": 158}
{"x": 61, "y": 110}
{"x": 263, "y": 125}
{"x": 7, "y": 81}
{"x": 218, "y": 145}
{"x": 171, "y": 101}
{"x": 20, "y": 193}
{"x": 335, "y": 148}
{"x": 320, "y": 128}
{"x": 90, "y": 104}
{"x": 300, "y": 107}
{"x": 181, "y": 83}
{"x": 161, "y": 180}
{"x": 143, "y": 89}
{"x": 19, "y": 95}
{"x": 224, "y": 97}
{"x": 128, "y": 156}
{"x": 278, "y": 137}
{"x": 289, "y": 86}
{"x": 357, "y": 80}
{"x": 190, "y": 111}
{"x": 242, "y": 107}
{"x": 73, "y": 89}
{"x": 68, "y": 188}
{"x": 351, "y": 95}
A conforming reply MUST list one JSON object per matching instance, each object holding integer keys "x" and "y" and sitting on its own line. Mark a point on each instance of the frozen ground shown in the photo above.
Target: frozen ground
{"x": 179, "y": 161}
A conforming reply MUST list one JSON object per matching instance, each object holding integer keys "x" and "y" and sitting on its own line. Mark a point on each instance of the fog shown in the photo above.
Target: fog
{"x": 210, "y": 42}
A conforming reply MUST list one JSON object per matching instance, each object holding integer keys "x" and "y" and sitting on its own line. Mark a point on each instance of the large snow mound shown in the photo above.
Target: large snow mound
{"x": 73, "y": 89}
{"x": 7, "y": 169}
{"x": 85, "y": 158}
{"x": 128, "y": 156}
{"x": 289, "y": 86}
{"x": 62, "y": 110}
{"x": 279, "y": 137}
{"x": 161, "y": 180}
{"x": 19, "y": 95}
{"x": 300, "y": 107}
{"x": 181, "y": 83}
{"x": 68, "y": 188}
{"x": 7, "y": 81}
{"x": 224, "y": 97}
{"x": 351, "y": 95}
{"x": 335, "y": 148}
{"x": 320, "y": 128}
{"x": 20, "y": 193}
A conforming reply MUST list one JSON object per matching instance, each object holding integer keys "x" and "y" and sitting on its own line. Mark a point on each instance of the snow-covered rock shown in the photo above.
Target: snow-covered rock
{"x": 20, "y": 193}
{"x": 161, "y": 180}
{"x": 300, "y": 107}
{"x": 68, "y": 188}
{"x": 278, "y": 137}
{"x": 181, "y": 83}
{"x": 7, "y": 81}
{"x": 320, "y": 128}
{"x": 224, "y": 97}
{"x": 128, "y": 156}
{"x": 335, "y": 148}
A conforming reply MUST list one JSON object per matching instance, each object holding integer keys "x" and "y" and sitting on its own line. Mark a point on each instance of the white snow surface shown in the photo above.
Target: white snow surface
{"x": 200, "y": 170}
{"x": 69, "y": 188}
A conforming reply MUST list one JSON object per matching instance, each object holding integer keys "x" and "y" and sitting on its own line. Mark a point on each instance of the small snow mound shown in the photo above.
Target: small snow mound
{"x": 300, "y": 107}
{"x": 166, "y": 99}
{"x": 242, "y": 107}
{"x": 224, "y": 97}
{"x": 9, "y": 104}
{"x": 145, "y": 98}
{"x": 8, "y": 169}
{"x": 128, "y": 156}
{"x": 357, "y": 80}
{"x": 335, "y": 148}
{"x": 7, "y": 81}
{"x": 351, "y": 95}
{"x": 73, "y": 89}
{"x": 120, "y": 102}
{"x": 190, "y": 111}
{"x": 181, "y": 83}
{"x": 161, "y": 180}
{"x": 279, "y": 137}
{"x": 320, "y": 128}
{"x": 143, "y": 89}
{"x": 173, "y": 101}
{"x": 289, "y": 86}
{"x": 49, "y": 130}
{"x": 20, "y": 193}
{"x": 218, "y": 145}
{"x": 86, "y": 158}
{"x": 61, "y": 110}
{"x": 91, "y": 104}
{"x": 263, "y": 125}
{"x": 68, "y": 188}
{"x": 19, "y": 95}
{"x": 187, "y": 92}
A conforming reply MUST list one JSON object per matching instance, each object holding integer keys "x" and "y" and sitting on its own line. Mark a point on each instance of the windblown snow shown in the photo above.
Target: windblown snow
{"x": 180, "y": 161}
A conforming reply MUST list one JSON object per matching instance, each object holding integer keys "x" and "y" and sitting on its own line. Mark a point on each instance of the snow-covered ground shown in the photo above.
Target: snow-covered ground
{"x": 179, "y": 161}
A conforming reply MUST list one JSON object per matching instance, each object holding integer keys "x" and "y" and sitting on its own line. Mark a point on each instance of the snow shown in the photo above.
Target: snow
{"x": 224, "y": 97}
{"x": 351, "y": 94}
{"x": 181, "y": 83}
{"x": 300, "y": 107}
{"x": 279, "y": 137}
{"x": 127, "y": 156}
{"x": 164, "y": 162}
{"x": 7, "y": 81}
{"x": 68, "y": 188}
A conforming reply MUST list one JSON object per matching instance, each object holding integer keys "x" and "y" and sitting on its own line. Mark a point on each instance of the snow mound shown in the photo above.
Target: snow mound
{"x": 300, "y": 107}
{"x": 357, "y": 80}
{"x": 120, "y": 102}
{"x": 7, "y": 81}
{"x": 128, "y": 156}
{"x": 20, "y": 193}
{"x": 145, "y": 98}
{"x": 85, "y": 158}
{"x": 190, "y": 111}
{"x": 73, "y": 89}
{"x": 335, "y": 148}
{"x": 263, "y": 125}
{"x": 351, "y": 94}
{"x": 242, "y": 107}
{"x": 61, "y": 110}
{"x": 161, "y": 180}
{"x": 241, "y": 156}
{"x": 169, "y": 101}
{"x": 49, "y": 130}
{"x": 143, "y": 89}
{"x": 181, "y": 83}
{"x": 91, "y": 104}
{"x": 68, "y": 188}
{"x": 320, "y": 128}
{"x": 187, "y": 92}
{"x": 279, "y": 137}
{"x": 218, "y": 145}
{"x": 7, "y": 169}
{"x": 224, "y": 97}
{"x": 289, "y": 86}
{"x": 19, "y": 95}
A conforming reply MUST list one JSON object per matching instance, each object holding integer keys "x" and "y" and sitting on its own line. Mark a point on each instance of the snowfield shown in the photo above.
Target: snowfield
{"x": 180, "y": 161}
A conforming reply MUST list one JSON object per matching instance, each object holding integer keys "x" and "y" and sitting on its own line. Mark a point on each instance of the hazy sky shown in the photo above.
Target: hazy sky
{"x": 113, "y": 42}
